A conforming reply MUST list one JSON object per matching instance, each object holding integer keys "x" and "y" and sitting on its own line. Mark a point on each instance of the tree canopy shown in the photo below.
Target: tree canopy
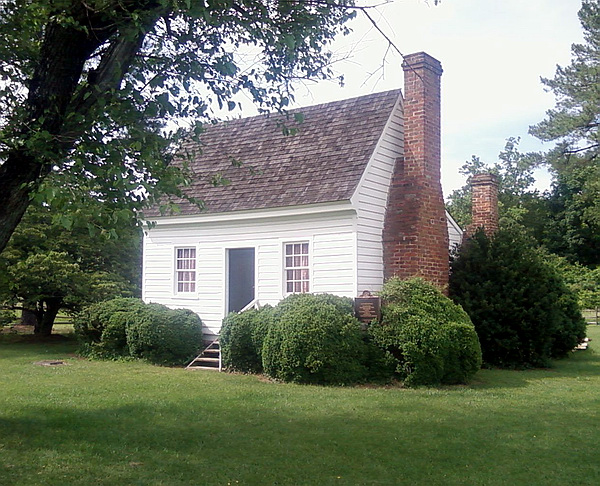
{"x": 92, "y": 94}
{"x": 574, "y": 125}
{"x": 565, "y": 219}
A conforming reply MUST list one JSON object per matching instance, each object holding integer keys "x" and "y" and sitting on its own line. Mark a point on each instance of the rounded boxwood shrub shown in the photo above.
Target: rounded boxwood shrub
{"x": 431, "y": 338}
{"x": 315, "y": 339}
{"x": 523, "y": 312}
{"x": 164, "y": 336}
{"x": 101, "y": 327}
{"x": 242, "y": 337}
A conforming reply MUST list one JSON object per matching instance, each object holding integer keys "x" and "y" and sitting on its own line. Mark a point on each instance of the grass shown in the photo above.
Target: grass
{"x": 129, "y": 423}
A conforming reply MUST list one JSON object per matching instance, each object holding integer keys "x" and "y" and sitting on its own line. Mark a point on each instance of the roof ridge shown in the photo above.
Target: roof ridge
{"x": 317, "y": 106}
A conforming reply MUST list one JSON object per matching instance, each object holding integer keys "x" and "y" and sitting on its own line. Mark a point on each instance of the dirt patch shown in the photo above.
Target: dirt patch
{"x": 50, "y": 362}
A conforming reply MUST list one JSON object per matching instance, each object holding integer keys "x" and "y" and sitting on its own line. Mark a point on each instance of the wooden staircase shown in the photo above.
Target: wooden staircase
{"x": 209, "y": 359}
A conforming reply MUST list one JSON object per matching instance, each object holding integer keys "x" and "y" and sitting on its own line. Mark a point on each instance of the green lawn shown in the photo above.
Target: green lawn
{"x": 129, "y": 423}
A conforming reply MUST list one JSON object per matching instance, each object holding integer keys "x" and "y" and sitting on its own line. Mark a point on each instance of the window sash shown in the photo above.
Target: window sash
{"x": 296, "y": 268}
{"x": 185, "y": 270}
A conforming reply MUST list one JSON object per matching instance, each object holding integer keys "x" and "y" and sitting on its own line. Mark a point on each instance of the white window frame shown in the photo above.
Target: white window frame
{"x": 191, "y": 281}
{"x": 302, "y": 284}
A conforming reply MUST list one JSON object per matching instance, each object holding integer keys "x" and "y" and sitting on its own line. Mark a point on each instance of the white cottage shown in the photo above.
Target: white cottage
{"x": 303, "y": 212}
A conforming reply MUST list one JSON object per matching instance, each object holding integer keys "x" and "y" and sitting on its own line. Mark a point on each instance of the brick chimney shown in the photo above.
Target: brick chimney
{"x": 484, "y": 212}
{"x": 415, "y": 233}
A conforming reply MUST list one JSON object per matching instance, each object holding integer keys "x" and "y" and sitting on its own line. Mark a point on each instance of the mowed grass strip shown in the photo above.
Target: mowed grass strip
{"x": 128, "y": 423}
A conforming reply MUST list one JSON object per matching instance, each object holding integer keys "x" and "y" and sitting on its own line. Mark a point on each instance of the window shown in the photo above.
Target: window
{"x": 185, "y": 269}
{"x": 296, "y": 268}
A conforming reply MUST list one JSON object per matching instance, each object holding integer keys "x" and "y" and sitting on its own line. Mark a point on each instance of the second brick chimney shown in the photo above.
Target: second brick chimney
{"x": 484, "y": 212}
{"x": 415, "y": 234}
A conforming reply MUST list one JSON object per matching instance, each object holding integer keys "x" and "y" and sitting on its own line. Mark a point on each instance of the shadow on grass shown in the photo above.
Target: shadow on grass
{"x": 576, "y": 364}
{"x": 186, "y": 428}
{"x": 219, "y": 441}
{"x": 13, "y": 346}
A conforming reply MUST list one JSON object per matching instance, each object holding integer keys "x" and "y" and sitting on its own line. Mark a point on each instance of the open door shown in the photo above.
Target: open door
{"x": 240, "y": 278}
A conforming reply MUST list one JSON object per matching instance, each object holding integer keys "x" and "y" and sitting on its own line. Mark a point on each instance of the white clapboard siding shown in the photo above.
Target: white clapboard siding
{"x": 370, "y": 200}
{"x": 455, "y": 232}
{"x": 332, "y": 241}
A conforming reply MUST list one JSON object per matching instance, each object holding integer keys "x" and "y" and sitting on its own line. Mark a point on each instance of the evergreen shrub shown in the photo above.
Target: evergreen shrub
{"x": 315, "y": 339}
{"x": 164, "y": 336}
{"x": 431, "y": 339}
{"x": 523, "y": 312}
{"x": 242, "y": 337}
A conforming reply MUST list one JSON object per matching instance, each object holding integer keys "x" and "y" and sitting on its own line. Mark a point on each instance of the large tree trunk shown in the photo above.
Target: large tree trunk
{"x": 28, "y": 317}
{"x": 56, "y": 76}
{"x": 46, "y": 315}
{"x": 42, "y": 137}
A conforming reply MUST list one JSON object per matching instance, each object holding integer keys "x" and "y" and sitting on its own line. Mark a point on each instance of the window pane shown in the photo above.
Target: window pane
{"x": 290, "y": 287}
{"x": 297, "y": 248}
{"x": 289, "y": 249}
{"x": 305, "y": 261}
{"x": 297, "y": 287}
{"x": 304, "y": 286}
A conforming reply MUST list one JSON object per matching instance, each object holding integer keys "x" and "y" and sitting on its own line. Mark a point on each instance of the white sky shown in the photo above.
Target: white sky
{"x": 493, "y": 53}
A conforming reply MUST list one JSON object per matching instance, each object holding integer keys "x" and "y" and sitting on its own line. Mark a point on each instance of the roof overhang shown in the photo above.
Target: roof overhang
{"x": 321, "y": 209}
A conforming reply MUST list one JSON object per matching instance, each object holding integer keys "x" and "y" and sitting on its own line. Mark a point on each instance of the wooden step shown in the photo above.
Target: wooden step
{"x": 203, "y": 368}
{"x": 209, "y": 359}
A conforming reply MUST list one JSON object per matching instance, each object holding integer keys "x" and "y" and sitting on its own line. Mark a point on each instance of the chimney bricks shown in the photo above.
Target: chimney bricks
{"x": 484, "y": 210}
{"x": 415, "y": 234}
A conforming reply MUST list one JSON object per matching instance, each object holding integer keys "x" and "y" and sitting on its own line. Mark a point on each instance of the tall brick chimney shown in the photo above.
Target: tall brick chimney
{"x": 484, "y": 212}
{"x": 415, "y": 233}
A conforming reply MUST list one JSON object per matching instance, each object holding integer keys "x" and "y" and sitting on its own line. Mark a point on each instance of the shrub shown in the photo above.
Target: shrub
{"x": 242, "y": 337}
{"x": 164, "y": 336}
{"x": 523, "y": 312}
{"x": 431, "y": 338}
{"x": 314, "y": 339}
{"x": 102, "y": 327}
{"x": 463, "y": 356}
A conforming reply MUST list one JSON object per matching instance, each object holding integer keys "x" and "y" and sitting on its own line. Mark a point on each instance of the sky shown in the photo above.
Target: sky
{"x": 493, "y": 53}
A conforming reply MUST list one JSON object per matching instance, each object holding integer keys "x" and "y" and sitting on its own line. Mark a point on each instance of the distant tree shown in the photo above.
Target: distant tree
{"x": 574, "y": 124}
{"x": 582, "y": 280}
{"x": 572, "y": 225}
{"x": 47, "y": 267}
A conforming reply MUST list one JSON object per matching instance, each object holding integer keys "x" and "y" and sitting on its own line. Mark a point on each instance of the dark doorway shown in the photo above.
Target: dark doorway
{"x": 240, "y": 278}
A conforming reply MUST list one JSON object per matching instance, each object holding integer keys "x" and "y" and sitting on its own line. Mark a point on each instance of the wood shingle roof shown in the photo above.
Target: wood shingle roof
{"x": 322, "y": 162}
